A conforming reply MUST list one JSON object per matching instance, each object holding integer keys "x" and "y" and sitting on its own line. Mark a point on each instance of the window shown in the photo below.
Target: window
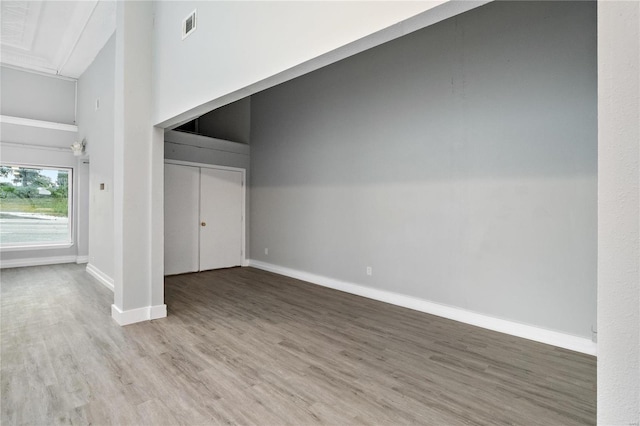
{"x": 35, "y": 206}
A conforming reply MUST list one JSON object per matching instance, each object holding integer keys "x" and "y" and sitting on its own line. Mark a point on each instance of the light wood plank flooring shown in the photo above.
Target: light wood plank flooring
{"x": 243, "y": 346}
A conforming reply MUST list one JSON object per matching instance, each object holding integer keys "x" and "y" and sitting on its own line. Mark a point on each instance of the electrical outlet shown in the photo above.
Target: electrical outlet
{"x": 369, "y": 270}
{"x": 266, "y": 252}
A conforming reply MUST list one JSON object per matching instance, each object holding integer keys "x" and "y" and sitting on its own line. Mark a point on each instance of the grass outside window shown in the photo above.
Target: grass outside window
{"x": 34, "y": 205}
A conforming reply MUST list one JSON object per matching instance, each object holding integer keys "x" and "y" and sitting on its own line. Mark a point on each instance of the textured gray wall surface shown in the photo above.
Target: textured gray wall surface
{"x": 459, "y": 162}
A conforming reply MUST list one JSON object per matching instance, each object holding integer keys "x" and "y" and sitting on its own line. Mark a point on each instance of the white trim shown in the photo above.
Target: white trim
{"x": 132, "y": 316}
{"x": 178, "y": 137}
{"x": 60, "y": 66}
{"x": 205, "y": 165}
{"x": 39, "y": 246}
{"x": 36, "y": 261}
{"x": 42, "y": 147}
{"x": 45, "y": 72}
{"x": 82, "y": 259}
{"x": 38, "y": 165}
{"x": 563, "y": 340}
{"x": 158, "y": 311}
{"x": 243, "y": 258}
{"x": 72, "y": 197}
{"x": 75, "y": 102}
{"x": 38, "y": 123}
{"x": 129, "y": 317}
{"x": 102, "y": 278}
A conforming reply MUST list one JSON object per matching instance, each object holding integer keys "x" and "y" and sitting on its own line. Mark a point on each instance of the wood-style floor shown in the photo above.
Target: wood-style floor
{"x": 243, "y": 346}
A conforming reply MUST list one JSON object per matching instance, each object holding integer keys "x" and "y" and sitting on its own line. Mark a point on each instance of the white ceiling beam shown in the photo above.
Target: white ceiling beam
{"x": 77, "y": 26}
{"x": 38, "y": 123}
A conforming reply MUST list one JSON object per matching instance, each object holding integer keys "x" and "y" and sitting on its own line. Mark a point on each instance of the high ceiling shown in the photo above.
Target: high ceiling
{"x": 55, "y": 37}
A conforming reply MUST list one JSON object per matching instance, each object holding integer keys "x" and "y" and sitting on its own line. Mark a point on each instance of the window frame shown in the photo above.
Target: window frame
{"x": 43, "y": 245}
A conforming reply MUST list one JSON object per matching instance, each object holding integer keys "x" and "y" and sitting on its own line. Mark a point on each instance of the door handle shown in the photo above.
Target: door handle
{"x": 203, "y": 224}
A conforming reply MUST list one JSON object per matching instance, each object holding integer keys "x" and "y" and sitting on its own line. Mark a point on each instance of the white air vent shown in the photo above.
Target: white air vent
{"x": 189, "y": 24}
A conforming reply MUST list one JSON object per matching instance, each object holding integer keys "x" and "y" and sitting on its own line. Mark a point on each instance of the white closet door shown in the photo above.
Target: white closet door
{"x": 221, "y": 218}
{"x": 181, "y": 219}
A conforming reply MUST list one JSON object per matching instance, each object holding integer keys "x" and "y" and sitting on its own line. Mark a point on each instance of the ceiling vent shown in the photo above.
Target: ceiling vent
{"x": 189, "y": 24}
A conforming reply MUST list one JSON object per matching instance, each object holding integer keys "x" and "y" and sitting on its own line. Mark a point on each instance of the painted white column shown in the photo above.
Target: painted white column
{"x": 618, "y": 213}
{"x": 159, "y": 309}
{"x": 82, "y": 217}
{"x": 134, "y": 151}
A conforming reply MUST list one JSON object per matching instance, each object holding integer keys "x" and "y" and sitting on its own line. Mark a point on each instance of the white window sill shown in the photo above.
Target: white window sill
{"x": 23, "y": 247}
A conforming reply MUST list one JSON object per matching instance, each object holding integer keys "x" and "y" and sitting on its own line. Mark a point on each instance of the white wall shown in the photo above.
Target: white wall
{"x": 37, "y": 96}
{"x": 237, "y": 44}
{"x": 138, "y": 172}
{"x": 458, "y": 161}
{"x": 96, "y": 126}
{"x": 45, "y": 98}
{"x": 618, "y": 213}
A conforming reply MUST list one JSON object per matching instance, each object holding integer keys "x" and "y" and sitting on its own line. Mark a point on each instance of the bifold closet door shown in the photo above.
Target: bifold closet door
{"x": 181, "y": 219}
{"x": 220, "y": 218}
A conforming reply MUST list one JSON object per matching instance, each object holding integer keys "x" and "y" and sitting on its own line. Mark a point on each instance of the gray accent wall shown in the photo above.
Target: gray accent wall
{"x": 96, "y": 126}
{"x": 231, "y": 122}
{"x": 459, "y": 162}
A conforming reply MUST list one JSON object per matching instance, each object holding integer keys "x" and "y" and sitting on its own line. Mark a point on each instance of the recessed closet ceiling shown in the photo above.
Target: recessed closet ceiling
{"x": 55, "y": 37}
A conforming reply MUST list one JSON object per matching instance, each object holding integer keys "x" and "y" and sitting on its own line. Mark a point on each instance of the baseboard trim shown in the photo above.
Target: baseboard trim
{"x": 562, "y": 340}
{"x": 132, "y": 316}
{"x": 103, "y": 278}
{"x": 36, "y": 261}
{"x": 82, "y": 259}
{"x": 157, "y": 311}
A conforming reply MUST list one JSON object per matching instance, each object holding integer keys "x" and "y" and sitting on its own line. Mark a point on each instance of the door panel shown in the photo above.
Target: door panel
{"x": 221, "y": 218}
{"x": 181, "y": 219}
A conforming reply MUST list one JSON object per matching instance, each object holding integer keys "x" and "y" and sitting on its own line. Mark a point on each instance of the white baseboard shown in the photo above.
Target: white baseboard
{"x": 567, "y": 341}
{"x": 103, "y": 278}
{"x": 158, "y": 311}
{"x": 82, "y": 259}
{"x": 132, "y": 316}
{"x": 36, "y": 261}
